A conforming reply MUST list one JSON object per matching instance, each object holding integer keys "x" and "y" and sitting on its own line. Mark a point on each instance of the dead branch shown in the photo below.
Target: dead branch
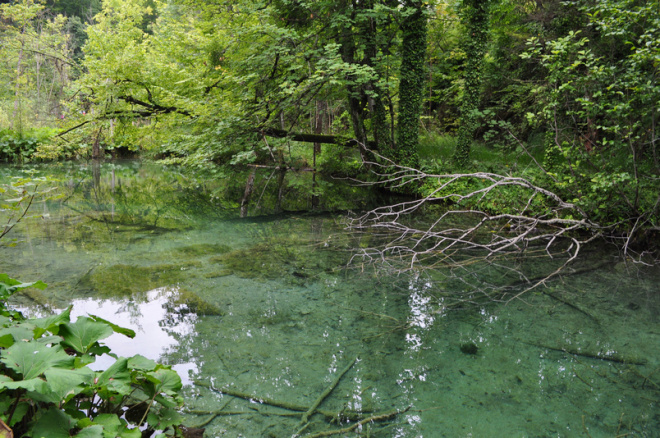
{"x": 404, "y": 244}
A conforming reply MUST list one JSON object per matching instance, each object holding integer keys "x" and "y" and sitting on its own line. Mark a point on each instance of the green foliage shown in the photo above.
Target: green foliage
{"x": 35, "y": 48}
{"x": 599, "y": 104}
{"x": 17, "y": 197}
{"x": 19, "y": 147}
{"x": 47, "y": 388}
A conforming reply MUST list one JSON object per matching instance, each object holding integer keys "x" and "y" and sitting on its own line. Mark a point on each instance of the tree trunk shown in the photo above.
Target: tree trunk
{"x": 411, "y": 84}
{"x": 249, "y": 187}
{"x": 475, "y": 16}
{"x": 17, "y": 93}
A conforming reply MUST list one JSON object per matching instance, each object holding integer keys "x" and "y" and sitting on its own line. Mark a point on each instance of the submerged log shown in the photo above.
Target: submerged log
{"x": 372, "y": 419}
{"x": 325, "y": 393}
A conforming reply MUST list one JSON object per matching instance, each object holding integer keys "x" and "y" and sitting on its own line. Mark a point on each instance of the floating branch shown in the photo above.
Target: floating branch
{"x": 560, "y": 230}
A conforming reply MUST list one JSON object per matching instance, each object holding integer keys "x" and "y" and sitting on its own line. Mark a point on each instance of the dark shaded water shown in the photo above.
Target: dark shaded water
{"x": 267, "y": 306}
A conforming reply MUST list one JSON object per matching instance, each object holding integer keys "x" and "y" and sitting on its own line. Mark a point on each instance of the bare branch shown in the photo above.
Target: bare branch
{"x": 468, "y": 237}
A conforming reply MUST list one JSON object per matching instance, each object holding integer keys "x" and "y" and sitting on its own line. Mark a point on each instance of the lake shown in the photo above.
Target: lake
{"x": 274, "y": 309}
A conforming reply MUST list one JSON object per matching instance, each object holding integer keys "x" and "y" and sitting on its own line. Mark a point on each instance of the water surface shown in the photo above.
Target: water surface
{"x": 269, "y": 306}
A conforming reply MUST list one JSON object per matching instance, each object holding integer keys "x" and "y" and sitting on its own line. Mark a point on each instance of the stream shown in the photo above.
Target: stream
{"x": 271, "y": 307}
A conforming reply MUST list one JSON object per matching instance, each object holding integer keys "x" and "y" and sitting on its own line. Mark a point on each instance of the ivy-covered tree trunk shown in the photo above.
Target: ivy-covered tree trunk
{"x": 411, "y": 83}
{"x": 475, "y": 17}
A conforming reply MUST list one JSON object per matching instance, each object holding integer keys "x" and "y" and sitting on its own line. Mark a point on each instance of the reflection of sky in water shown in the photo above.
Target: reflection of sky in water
{"x": 152, "y": 337}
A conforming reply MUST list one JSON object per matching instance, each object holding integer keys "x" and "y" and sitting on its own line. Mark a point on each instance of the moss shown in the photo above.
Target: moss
{"x": 217, "y": 274}
{"x": 203, "y": 249}
{"x": 261, "y": 261}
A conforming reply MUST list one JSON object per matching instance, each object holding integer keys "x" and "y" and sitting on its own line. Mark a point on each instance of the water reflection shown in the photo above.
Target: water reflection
{"x": 152, "y": 320}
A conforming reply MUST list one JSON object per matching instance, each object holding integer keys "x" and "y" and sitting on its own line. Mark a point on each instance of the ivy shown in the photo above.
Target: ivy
{"x": 475, "y": 15}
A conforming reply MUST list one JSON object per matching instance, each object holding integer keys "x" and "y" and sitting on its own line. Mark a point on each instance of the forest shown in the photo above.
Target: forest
{"x": 533, "y": 121}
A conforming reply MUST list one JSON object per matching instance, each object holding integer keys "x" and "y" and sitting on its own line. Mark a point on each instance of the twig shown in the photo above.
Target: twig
{"x": 584, "y": 426}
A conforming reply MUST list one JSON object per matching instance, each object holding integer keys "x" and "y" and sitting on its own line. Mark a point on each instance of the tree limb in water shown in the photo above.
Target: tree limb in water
{"x": 611, "y": 357}
{"x": 561, "y": 230}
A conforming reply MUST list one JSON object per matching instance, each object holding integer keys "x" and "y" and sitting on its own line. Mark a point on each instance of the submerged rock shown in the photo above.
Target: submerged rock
{"x": 469, "y": 348}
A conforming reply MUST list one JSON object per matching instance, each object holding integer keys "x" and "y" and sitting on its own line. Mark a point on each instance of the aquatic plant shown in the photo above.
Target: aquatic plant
{"x": 48, "y": 389}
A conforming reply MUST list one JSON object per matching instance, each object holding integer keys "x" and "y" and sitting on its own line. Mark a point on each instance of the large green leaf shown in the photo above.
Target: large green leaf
{"x": 95, "y": 431}
{"x": 31, "y": 359}
{"x": 165, "y": 381}
{"x": 66, "y": 383}
{"x": 114, "y": 427}
{"x": 53, "y": 424}
{"x": 139, "y": 362}
{"x": 116, "y": 377}
{"x": 164, "y": 418}
{"x": 18, "y": 333}
{"x": 84, "y": 333}
{"x": 6, "y": 340}
{"x": 9, "y": 285}
{"x": 35, "y": 385}
{"x": 111, "y": 424}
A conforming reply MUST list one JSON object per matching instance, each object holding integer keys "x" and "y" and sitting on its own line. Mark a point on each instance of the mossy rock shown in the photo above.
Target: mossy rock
{"x": 196, "y": 304}
{"x": 469, "y": 348}
{"x": 125, "y": 280}
{"x": 259, "y": 261}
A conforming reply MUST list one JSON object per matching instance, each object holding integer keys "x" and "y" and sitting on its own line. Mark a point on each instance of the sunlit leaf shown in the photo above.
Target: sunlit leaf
{"x": 139, "y": 362}
{"x": 51, "y": 323}
{"x": 65, "y": 382}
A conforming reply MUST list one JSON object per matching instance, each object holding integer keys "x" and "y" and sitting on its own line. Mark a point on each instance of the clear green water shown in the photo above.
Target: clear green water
{"x": 268, "y": 306}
